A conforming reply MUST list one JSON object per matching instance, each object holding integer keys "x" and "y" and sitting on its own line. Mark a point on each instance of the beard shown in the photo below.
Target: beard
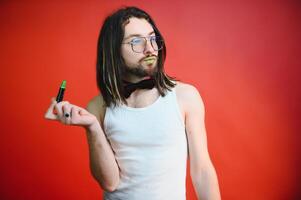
{"x": 140, "y": 71}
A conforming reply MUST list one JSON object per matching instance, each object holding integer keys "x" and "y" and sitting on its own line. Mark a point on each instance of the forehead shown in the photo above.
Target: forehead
{"x": 137, "y": 26}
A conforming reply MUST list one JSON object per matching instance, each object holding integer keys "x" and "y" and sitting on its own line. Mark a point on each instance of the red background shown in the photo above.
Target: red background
{"x": 244, "y": 57}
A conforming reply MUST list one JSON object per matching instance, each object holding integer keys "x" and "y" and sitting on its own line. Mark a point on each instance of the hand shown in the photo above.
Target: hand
{"x": 70, "y": 114}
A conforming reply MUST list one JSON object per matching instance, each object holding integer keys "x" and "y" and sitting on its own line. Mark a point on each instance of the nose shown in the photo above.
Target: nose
{"x": 148, "y": 48}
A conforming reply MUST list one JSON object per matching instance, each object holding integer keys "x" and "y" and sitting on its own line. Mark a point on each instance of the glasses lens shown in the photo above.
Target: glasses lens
{"x": 157, "y": 43}
{"x": 138, "y": 44}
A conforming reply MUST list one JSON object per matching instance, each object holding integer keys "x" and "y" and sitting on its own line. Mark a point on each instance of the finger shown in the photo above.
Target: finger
{"x": 58, "y": 108}
{"x": 82, "y": 117}
{"x": 79, "y": 111}
{"x": 83, "y": 112}
{"x": 75, "y": 115}
{"x": 49, "y": 113}
{"x": 66, "y": 108}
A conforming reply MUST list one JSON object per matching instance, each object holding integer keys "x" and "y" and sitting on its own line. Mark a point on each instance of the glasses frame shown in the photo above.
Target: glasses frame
{"x": 158, "y": 39}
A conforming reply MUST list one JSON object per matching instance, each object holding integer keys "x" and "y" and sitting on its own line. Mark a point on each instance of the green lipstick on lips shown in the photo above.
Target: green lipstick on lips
{"x": 149, "y": 60}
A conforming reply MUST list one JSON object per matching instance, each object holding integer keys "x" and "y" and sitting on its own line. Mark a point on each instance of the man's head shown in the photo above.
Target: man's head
{"x": 139, "y": 49}
{"x": 130, "y": 47}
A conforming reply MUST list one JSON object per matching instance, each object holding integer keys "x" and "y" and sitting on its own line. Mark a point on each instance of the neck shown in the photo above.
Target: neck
{"x": 135, "y": 79}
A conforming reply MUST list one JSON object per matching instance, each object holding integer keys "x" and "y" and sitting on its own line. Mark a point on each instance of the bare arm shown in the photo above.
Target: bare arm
{"x": 202, "y": 172}
{"x": 103, "y": 165}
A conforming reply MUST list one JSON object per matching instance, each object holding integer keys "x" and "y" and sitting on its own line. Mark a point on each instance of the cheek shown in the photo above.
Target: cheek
{"x": 123, "y": 52}
{"x": 129, "y": 56}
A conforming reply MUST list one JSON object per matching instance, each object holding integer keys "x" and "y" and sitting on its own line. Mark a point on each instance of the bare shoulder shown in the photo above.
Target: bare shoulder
{"x": 187, "y": 91}
{"x": 188, "y": 96}
{"x": 96, "y": 106}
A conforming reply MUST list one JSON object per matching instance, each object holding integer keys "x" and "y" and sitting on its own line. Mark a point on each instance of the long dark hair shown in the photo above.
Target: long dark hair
{"x": 110, "y": 62}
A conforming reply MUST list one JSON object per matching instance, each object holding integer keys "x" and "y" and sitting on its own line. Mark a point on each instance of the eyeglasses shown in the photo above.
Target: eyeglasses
{"x": 139, "y": 43}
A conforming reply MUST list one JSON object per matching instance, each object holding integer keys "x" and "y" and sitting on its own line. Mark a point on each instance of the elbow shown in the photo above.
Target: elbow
{"x": 109, "y": 185}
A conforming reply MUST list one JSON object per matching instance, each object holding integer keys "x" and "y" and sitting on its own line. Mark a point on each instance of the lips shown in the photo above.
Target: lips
{"x": 150, "y": 59}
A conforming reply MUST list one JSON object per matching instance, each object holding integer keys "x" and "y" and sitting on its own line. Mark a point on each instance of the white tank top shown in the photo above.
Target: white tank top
{"x": 150, "y": 148}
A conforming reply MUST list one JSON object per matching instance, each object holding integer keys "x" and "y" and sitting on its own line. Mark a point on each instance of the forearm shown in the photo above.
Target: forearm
{"x": 206, "y": 184}
{"x": 103, "y": 165}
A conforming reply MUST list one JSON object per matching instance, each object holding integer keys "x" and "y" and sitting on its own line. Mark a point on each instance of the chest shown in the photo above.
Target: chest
{"x": 158, "y": 124}
{"x": 141, "y": 98}
{"x": 146, "y": 98}
{"x": 161, "y": 129}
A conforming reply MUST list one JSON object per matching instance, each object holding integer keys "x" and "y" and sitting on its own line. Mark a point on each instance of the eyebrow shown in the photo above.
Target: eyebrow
{"x": 137, "y": 35}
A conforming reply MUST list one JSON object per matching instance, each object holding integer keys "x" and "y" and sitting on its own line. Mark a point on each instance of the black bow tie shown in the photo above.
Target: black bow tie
{"x": 131, "y": 87}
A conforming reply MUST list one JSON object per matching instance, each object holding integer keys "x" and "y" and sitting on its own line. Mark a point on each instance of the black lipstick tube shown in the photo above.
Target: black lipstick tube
{"x": 60, "y": 95}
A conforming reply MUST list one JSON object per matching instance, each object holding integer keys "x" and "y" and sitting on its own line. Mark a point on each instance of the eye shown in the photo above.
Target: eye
{"x": 137, "y": 41}
{"x": 153, "y": 39}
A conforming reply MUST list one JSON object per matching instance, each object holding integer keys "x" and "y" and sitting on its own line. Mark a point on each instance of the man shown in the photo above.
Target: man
{"x": 144, "y": 123}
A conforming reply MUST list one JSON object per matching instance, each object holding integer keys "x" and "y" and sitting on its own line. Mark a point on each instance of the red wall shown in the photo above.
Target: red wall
{"x": 244, "y": 57}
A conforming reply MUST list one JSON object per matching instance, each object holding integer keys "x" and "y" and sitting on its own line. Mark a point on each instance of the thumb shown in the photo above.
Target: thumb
{"x": 49, "y": 113}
